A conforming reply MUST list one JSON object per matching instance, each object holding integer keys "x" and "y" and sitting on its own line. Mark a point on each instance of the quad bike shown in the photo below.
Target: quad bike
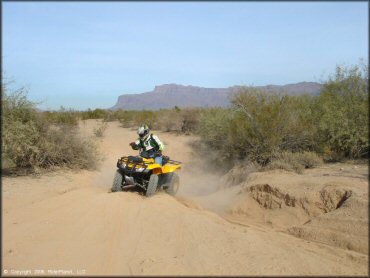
{"x": 143, "y": 174}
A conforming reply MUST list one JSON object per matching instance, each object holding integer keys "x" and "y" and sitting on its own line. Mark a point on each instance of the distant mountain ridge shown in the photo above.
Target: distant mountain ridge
{"x": 170, "y": 95}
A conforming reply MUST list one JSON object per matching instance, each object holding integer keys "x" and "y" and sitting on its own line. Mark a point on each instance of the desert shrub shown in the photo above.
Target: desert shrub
{"x": 309, "y": 159}
{"x": 94, "y": 114}
{"x": 213, "y": 145}
{"x": 284, "y": 165}
{"x": 63, "y": 147}
{"x": 169, "y": 120}
{"x": 100, "y": 130}
{"x": 127, "y": 118}
{"x": 61, "y": 117}
{"x": 29, "y": 140}
{"x": 20, "y": 128}
{"x": 281, "y": 131}
{"x": 179, "y": 120}
{"x": 257, "y": 125}
{"x": 190, "y": 120}
{"x": 239, "y": 173}
{"x": 146, "y": 116}
{"x": 342, "y": 114}
{"x": 294, "y": 161}
{"x": 266, "y": 123}
{"x": 133, "y": 118}
{"x": 214, "y": 129}
{"x": 110, "y": 116}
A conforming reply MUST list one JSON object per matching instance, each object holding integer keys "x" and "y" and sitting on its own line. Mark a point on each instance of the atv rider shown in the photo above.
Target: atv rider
{"x": 148, "y": 142}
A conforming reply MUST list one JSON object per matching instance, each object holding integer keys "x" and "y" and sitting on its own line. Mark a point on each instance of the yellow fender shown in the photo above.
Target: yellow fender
{"x": 168, "y": 168}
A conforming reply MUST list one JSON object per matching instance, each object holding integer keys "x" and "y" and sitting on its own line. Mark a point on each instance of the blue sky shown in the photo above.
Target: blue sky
{"x": 85, "y": 54}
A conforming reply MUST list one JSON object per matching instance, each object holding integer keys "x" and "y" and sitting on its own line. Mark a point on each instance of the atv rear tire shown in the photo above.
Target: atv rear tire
{"x": 152, "y": 185}
{"x": 117, "y": 182}
{"x": 173, "y": 184}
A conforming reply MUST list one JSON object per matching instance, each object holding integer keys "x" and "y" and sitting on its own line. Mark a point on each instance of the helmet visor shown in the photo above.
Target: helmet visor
{"x": 143, "y": 133}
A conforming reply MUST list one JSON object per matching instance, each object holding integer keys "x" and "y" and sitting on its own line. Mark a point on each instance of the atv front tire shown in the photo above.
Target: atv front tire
{"x": 117, "y": 182}
{"x": 152, "y": 185}
{"x": 173, "y": 184}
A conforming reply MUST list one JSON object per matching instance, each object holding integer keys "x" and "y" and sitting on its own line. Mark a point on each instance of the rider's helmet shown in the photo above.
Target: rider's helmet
{"x": 143, "y": 131}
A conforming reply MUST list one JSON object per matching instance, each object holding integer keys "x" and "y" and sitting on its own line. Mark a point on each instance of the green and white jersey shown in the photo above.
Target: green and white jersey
{"x": 152, "y": 142}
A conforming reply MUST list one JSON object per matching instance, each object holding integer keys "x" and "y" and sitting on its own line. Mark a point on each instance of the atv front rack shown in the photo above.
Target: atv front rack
{"x": 136, "y": 162}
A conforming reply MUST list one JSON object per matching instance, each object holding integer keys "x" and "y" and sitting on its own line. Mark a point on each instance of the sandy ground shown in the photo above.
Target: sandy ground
{"x": 67, "y": 223}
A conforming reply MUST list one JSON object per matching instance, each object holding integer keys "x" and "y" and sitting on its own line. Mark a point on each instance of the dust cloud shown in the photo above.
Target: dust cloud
{"x": 206, "y": 187}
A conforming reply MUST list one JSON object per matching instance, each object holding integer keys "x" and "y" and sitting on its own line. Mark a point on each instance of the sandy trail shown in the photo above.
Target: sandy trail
{"x": 70, "y": 222}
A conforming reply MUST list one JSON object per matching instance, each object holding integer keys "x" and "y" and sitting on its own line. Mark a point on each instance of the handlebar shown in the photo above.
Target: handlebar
{"x": 150, "y": 154}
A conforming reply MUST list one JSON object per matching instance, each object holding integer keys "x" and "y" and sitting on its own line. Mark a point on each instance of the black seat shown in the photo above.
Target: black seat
{"x": 135, "y": 159}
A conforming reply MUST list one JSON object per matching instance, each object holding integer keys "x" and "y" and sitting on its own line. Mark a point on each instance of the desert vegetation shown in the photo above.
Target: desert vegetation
{"x": 342, "y": 114}
{"x": 268, "y": 130}
{"x": 293, "y": 132}
{"x": 100, "y": 130}
{"x": 34, "y": 140}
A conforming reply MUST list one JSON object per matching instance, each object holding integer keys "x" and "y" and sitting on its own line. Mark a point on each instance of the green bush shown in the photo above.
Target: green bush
{"x": 257, "y": 125}
{"x": 342, "y": 114}
{"x": 266, "y": 123}
{"x": 214, "y": 129}
{"x": 260, "y": 125}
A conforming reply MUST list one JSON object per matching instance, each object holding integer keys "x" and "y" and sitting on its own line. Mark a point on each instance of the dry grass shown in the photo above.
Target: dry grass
{"x": 296, "y": 162}
{"x": 100, "y": 130}
{"x": 31, "y": 140}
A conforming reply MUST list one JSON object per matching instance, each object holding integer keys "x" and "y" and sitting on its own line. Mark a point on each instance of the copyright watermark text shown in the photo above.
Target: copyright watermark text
{"x": 48, "y": 272}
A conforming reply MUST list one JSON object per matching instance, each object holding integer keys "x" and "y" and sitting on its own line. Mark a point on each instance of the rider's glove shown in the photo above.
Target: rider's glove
{"x": 133, "y": 145}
